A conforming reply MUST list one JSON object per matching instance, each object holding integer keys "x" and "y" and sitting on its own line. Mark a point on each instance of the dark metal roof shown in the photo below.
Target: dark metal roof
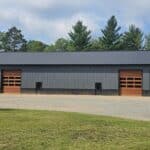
{"x": 77, "y": 58}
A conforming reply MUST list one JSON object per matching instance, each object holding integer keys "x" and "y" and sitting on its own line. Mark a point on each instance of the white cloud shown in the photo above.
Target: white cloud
{"x": 50, "y": 19}
{"x": 56, "y": 28}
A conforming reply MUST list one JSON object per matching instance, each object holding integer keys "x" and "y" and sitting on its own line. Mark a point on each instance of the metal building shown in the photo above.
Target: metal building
{"x": 104, "y": 73}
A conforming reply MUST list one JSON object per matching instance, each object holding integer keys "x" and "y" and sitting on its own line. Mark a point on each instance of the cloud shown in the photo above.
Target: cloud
{"x": 48, "y": 20}
{"x": 56, "y": 28}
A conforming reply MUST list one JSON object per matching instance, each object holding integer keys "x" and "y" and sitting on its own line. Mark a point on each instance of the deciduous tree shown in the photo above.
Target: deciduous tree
{"x": 35, "y": 46}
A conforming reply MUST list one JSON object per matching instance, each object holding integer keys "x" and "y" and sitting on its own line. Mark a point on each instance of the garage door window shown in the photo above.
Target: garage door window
{"x": 131, "y": 82}
{"x": 11, "y": 81}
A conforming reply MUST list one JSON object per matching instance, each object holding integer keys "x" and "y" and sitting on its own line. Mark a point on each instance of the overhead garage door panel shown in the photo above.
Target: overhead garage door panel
{"x": 131, "y": 83}
{"x": 11, "y": 81}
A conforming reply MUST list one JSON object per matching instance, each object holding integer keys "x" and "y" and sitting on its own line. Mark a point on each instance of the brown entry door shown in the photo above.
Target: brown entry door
{"x": 131, "y": 82}
{"x": 11, "y": 81}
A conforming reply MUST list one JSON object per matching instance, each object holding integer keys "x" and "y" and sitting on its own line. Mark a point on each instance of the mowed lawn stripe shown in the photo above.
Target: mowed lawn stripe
{"x": 45, "y": 130}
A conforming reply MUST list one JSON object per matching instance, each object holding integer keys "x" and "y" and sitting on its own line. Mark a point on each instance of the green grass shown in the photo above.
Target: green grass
{"x": 44, "y": 130}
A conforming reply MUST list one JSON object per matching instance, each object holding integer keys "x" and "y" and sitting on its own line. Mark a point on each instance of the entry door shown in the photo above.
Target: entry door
{"x": 11, "y": 81}
{"x": 131, "y": 82}
{"x": 98, "y": 88}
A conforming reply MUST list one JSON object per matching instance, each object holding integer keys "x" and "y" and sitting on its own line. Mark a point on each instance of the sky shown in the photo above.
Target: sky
{"x": 48, "y": 20}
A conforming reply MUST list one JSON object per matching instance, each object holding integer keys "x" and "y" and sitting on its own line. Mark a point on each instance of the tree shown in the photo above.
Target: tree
{"x": 80, "y": 36}
{"x": 14, "y": 40}
{"x": 70, "y": 47}
{"x": 111, "y": 38}
{"x": 133, "y": 39}
{"x": 96, "y": 45}
{"x": 61, "y": 44}
{"x": 2, "y": 36}
{"x": 147, "y": 42}
{"x": 35, "y": 46}
{"x": 64, "y": 45}
{"x": 50, "y": 48}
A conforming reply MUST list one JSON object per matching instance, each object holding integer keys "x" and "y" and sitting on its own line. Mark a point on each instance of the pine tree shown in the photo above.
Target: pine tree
{"x": 111, "y": 38}
{"x": 14, "y": 40}
{"x": 133, "y": 39}
{"x": 2, "y": 37}
{"x": 80, "y": 36}
{"x": 147, "y": 42}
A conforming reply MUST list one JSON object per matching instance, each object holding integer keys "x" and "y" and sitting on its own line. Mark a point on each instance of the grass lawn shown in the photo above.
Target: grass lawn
{"x": 44, "y": 130}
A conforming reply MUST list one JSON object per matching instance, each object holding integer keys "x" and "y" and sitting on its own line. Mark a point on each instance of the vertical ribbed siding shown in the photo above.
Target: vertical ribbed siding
{"x": 70, "y": 77}
{"x": 0, "y": 78}
{"x": 146, "y": 79}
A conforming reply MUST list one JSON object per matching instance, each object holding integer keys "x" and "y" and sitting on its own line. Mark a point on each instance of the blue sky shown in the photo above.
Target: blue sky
{"x": 47, "y": 20}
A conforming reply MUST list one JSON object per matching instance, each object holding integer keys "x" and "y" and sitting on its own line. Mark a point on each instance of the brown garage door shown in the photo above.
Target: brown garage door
{"x": 131, "y": 82}
{"x": 11, "y": 81}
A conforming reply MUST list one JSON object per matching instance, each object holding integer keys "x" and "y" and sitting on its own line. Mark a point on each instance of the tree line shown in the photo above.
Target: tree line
{"x": 80, "y": 39}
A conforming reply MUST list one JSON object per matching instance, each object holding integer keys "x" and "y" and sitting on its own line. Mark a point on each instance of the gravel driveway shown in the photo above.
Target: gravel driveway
{"x": 128, "y": 107}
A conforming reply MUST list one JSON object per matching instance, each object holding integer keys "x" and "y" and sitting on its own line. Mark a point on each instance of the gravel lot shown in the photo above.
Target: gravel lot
{"x": 127, "y": 107}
